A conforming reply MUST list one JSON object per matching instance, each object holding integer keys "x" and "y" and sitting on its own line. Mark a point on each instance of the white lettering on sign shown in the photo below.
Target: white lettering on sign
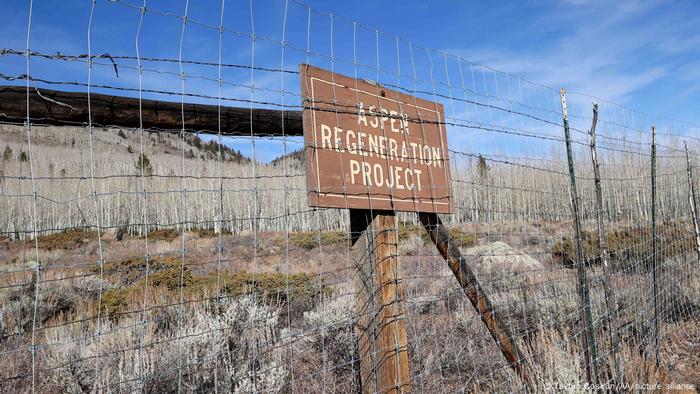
{"x": 373, "y": 175}
{"x": 372, "y": 145}
{"x": 379, "y": 117}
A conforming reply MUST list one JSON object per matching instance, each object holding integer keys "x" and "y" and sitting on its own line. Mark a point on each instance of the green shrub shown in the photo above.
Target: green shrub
{"x": 310, "y": 240}
{"x": 132, "y": 270}
{"x": 143, "y": 163}
{"x": 114, "y": 301}
{"x": 170, "y": 278}
{"x": 628, "y": 249}
{"x": 301, "y": 288}
{"x": 209, "y": 232}
{"x": 300, "y": 291}
{"x": 406, "y": 231}
{"x": 461, "y": 238}
{"x": 163, "y": 234}
{"x": 7, "y": 153}
{"x": 67, "y": 239}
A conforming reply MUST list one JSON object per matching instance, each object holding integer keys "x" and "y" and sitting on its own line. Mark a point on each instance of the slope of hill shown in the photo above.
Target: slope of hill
{"x": 184, "y": 183}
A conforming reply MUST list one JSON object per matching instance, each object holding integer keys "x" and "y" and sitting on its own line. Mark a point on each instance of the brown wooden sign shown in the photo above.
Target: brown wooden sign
{"x": 369, "y": 147}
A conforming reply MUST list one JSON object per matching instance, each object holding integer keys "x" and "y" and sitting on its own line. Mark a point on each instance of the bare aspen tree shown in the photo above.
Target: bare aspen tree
{"x": 692, "y": 202}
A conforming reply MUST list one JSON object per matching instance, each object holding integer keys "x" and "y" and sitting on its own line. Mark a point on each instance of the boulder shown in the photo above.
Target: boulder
{"x": 499, "y": 258}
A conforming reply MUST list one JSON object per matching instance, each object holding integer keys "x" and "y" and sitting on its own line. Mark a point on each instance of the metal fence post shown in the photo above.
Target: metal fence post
{"x": 588, "y": 334}
{"x": 653, "y": 245}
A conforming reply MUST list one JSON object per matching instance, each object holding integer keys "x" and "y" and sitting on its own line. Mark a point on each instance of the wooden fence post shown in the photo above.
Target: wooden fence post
{"x": 588, "y": 333}
{"x": 692, "y": 201}
{"x": 475, "y": 293}
{"x": 610, "y": 302}
{"x": 381, "y": 326}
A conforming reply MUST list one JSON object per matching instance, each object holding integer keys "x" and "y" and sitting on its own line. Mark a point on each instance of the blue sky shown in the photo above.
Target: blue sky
{"x": 644, "y": 55}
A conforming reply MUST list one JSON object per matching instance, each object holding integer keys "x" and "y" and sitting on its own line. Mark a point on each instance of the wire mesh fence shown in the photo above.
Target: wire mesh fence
{"x": 164, "y": 243}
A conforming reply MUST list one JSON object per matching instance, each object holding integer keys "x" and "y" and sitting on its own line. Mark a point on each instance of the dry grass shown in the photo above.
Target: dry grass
{"x": 274, "y": 306}
{"x": 447, "y": 339}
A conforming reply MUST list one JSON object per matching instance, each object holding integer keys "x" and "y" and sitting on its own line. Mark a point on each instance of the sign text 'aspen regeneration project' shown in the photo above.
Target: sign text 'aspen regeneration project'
{"x": 369, "y": 147}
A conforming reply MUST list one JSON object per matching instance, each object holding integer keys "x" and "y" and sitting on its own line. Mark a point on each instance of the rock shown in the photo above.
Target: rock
{"x": 498, "y": 258}
{"x": 112, "y": 234}
{"x": 109, "y": 235}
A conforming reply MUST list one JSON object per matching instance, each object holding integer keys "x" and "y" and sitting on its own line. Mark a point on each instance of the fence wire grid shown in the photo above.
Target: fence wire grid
{"x": 158, "y": 259}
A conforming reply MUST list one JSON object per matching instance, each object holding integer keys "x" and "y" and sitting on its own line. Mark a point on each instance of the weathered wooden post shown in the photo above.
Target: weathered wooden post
{"x": 476, "y": 294}
{"x": 587, "y": 329}
{"x": 381, "y": 326}
{"x": 610, "y": 302}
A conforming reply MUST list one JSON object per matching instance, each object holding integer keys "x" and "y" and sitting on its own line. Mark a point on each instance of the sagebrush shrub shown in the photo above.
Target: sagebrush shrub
{"x": 237, "y": 343}
{"x": 332, "y": 323}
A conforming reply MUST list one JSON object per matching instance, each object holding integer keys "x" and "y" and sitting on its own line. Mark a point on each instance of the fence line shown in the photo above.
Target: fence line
{"x": 161, "y": 240}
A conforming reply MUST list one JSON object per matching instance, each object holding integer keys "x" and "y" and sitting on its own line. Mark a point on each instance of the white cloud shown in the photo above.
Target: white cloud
{"x": 602, "y": 51}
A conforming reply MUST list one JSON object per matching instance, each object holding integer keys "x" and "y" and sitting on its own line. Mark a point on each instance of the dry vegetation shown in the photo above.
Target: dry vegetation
{"x": 268, "y": 305}
{"x": 246, "y": 323}
{"x": 271, "y": 197}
